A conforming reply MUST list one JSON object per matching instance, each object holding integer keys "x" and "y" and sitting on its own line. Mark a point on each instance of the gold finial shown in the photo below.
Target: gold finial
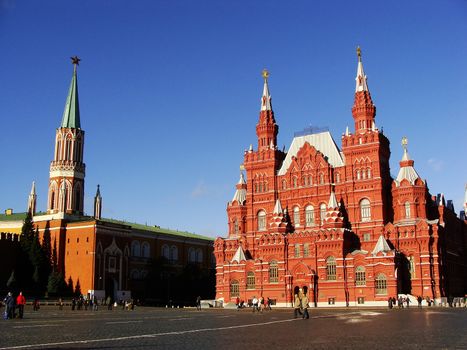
{"x": 265, "y": 74}
{"x": 359, "y": 53}
{"x": 242, "y": 167}
{"x": 404, "y": 142}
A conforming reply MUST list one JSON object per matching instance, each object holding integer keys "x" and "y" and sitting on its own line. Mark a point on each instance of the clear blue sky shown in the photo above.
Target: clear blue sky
{"x": 170, "y": 93}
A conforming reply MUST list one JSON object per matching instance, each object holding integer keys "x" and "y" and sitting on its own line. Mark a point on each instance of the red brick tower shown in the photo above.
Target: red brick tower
{"x": 67, "y": 170}
{"x": 367, "y": 185}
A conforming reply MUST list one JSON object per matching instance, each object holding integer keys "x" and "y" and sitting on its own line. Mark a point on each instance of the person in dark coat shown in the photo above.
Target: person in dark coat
{"x": 10, "y": 306}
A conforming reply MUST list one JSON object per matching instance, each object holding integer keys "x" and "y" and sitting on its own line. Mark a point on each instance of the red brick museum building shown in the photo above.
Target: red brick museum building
{"x": 333, "y": 221}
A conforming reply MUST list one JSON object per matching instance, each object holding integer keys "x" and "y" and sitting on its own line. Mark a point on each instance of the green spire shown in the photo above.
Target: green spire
{"x": 71, "y": 113}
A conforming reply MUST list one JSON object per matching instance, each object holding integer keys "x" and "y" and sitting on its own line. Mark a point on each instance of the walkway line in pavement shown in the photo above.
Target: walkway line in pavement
{"x": 90, "y": 341}
{"x": 37, "y": 325}
{"x": 118, "y": 322}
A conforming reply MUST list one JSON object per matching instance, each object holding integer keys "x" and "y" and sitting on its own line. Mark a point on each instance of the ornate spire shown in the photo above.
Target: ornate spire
{"x": 71, "y": 117}
{"x": 266, "y": 98}
{"x": 363, "y": 110}
{"x": 361, "y": 79}
{"x": 266, "y": 129}
{"x": 32, "y": 200}
{"x": 98, "y": 204}
{"x": 240, "y": 193}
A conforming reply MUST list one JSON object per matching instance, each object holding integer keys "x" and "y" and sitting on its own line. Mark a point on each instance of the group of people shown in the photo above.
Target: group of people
{"x": 258, "y": 304}
{"x": 401, "y": 301}
{"x": 13, "y": 304}
{"x": 301, "y": 303}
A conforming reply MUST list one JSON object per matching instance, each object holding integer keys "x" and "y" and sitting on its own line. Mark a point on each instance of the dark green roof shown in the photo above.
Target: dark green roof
{"x": 157, "y": 229}
{"x": 71, "y": 113}
{"x": 153, "y": 229}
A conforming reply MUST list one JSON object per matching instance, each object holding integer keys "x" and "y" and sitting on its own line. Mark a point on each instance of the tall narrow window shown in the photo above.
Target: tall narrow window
{"x": 284, "y": 184}
{"x": 273, "y": 272}
{"x": 173, "y": 253}
{"x": 381, "y": 284}
{"x": 294, "y": 182}
{"x": 360, "y": 278}
{"x": 234, "y": 289}
{"x": 297, "y": 250}
{"x": 166, "y": 251}
{"x": 412, "y": 267}
{"x": 306, "y": 250}
{"x": 250, "y": 280}
{"x": 331, "y": 268}
{"x": 145, "y": 251}
{"x": 365, "y": 210}
{"x": 296, "y": 216}
{"x": 310, "y": 215}
{"x": 322, "y": 212}
{"x": 235, "y": 226}
{"x": 261, "y": 221}
{"x": 338, "y": 177}
{"x": 407, "y": 210}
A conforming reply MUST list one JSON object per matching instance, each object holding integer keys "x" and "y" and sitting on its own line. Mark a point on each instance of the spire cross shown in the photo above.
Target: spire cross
{"x": 359, "y": 53}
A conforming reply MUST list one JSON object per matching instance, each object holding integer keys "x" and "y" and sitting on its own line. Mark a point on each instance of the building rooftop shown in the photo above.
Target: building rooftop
{"x": 153, "y": 229}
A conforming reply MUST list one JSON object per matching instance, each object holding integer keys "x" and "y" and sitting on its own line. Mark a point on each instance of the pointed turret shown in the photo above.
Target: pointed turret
{"x": 240, "y": 193}
{"x": 407, "y": 170}
{"x": 333, "y": 214}
{"x": 32, "y": 200}
{"x": 363, "y": 110}
{"x": 381, "y": 246}
{"x": 70, "y": 117}
{"x": 67, "y": 164}
{"x": 266, "y": 129}
{"x": 98, "y": 204}
{"x": 278, "y": 208}
{"x": 278, "y": 222}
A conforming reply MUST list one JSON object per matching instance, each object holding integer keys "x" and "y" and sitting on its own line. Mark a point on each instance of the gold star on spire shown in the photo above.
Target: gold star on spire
{"x": 359, "y": 53}
{"x": 265, "y": 74}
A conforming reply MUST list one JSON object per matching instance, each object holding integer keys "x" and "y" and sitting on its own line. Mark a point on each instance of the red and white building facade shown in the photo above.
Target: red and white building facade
{"x": 334, "y": 222}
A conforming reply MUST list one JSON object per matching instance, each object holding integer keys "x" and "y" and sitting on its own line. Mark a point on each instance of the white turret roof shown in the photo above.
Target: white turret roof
{"x": 333, "y": 201}
{"x": 277, "y": 208}
{"x": 266, "y": 98}
{"x": 33, "y": 188}
{"x": 239, "y": 255}
{"x": 361, "y": 79}
{"x": 407, "y": 172}
{"x": 240, "y": 193}
{"x": 322, "y": 141}
{"x": 381, "y": 246}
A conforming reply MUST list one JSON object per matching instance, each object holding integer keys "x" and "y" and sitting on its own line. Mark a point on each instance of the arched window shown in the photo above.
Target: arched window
{"x": 235, "y": 226}
{"x": 250, "y": 280}
{"x": 76, "y": 206}
{"x": 368, "y": 173}
{"x": 52, "y": 200}
{"x": 191, "y": 255}
{"x": 273, "y": 272}
{"x": 411, "y": 267}
{"x": 262, "y": 220}
{"x": 68, "y": 149}
{"x": 165, "y": 251}
{"x": 358, "y": 175}
{"x": 145, "y": 250}
{"x": 338, "y": 177}
{"x": 284, "y": 184}
{"x": 135, "y": 275}
{"x": 294, "y": 180}
{"x": 322, "y": 212}
{"x": 296, "y": 216}
{"x": 310, "y": 180}
{"x": 365, "y": 210}
{"x": 260, "y": 187}
{"x": 199, "y": 255}
{"x": 173, "y": 253}
{"x": 305, "y": 181}
{"x": 331, "y": 268}
{"x": 407, "y": 210}
{"x": 309, "y": 215}
{"x": 381, "y": 284}
{"x": 58, "y": 149}
{"x": 135, "y": 248}
{"x": 360, "y": 278}
{"x": 306, "y": 250}
{"x": 234, "y": 289}
{"x": 297, "y": 250}
{"x": 321, "y": 179}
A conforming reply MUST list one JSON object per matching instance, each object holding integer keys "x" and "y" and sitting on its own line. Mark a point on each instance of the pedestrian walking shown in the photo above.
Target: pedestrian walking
{"x": 20, "y": 302}
{"x": 297, "y": 306}
{"x": 390, "y": 303}
{"x": 304, "y": 304}
{"x": 255, "y": 303}
{"x": 419, "y": 300}
{"x": 9, "y": 302}
{"x": 198, "y": 303}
